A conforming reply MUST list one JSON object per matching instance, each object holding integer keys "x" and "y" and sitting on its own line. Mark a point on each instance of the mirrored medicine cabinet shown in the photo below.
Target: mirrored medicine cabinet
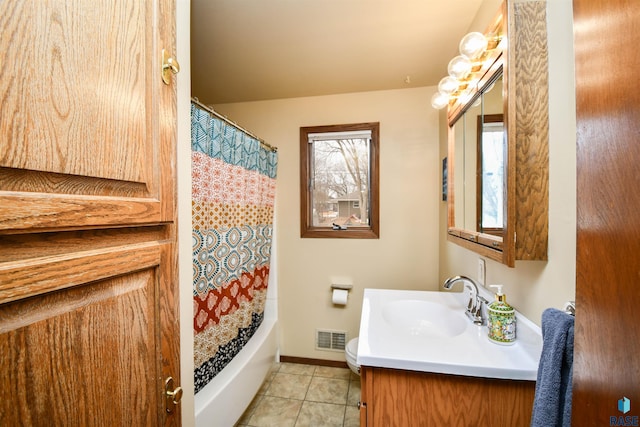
{"x": 497, "y": 173}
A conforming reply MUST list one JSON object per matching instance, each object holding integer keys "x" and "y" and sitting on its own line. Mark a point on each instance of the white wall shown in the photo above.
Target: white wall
{"x": 533, "y": 286}
{"x": 405, "y": 256}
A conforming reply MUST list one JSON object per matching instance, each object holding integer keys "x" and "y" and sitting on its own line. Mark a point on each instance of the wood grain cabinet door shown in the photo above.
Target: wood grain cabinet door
{"x": 88, "y": 270}
{"x": 399, "y": 398}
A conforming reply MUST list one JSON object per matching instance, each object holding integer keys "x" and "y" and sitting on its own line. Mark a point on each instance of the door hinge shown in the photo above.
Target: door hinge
{"x": 172, "y": 395}
{"x": 170, "y": 66}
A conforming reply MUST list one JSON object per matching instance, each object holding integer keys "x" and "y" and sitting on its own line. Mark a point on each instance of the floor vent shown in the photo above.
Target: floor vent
{"x": 331, "y": 340}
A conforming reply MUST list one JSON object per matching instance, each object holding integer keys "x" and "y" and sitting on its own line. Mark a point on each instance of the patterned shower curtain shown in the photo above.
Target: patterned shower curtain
{"x": 234, "y": 179}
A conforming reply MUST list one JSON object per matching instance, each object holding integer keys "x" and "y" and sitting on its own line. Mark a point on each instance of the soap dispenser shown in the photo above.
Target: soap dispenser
{"x": 502, "y": 319}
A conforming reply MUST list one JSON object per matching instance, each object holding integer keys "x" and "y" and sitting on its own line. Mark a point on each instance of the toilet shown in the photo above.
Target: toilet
{"x": 351, "y": 354}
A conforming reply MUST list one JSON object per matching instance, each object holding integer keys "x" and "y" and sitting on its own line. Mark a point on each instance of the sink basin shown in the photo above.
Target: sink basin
{"x": 424, "y": 318}
{"x": 428, "y": 331}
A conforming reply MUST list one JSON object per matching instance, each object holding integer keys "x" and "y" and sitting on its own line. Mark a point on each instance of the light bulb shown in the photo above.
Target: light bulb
{"x": 459, "y": 67}
{"x": 447, "y": 85}
{"x": 473, "y": 45}
{"x": 439, "y": 100}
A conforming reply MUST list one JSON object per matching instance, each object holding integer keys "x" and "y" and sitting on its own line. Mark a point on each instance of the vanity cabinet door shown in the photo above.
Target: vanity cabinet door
{"x": 406, "y": 399}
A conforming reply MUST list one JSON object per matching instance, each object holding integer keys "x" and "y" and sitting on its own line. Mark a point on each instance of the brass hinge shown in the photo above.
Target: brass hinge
{"x": 172, "y": 395}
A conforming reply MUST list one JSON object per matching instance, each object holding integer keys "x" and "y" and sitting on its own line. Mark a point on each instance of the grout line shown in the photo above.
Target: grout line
{"x": 299, "y": 410}
{"x": 344, "y": 414}
{"x": 277, "y": 369}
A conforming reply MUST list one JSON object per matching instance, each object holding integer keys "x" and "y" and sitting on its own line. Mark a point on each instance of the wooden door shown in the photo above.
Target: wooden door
{"x": 88, "y": 266}
{"x": 607, "y": 336}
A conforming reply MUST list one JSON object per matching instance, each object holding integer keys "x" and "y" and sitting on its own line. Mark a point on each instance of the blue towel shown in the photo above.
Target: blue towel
{"x": 552, "y": 403}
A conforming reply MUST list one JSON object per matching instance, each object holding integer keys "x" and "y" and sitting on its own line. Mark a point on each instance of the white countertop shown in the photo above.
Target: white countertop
{"x": 468, "y": 353}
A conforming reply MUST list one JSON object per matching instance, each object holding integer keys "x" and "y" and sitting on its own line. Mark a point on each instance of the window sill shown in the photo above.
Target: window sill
{"x": 327, "y": 233}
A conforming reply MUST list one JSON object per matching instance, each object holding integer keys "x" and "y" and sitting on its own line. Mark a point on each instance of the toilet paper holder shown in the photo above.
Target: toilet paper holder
{"x": 343, "y": 287}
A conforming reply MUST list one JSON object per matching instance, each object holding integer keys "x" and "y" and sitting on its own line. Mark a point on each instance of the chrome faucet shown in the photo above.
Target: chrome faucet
{"x": 474, "y": 308}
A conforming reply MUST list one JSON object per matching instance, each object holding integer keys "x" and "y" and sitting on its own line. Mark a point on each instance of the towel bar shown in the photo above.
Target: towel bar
{"x": 570, "y": 307}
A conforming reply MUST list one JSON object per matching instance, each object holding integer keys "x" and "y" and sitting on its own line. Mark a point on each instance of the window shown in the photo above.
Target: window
{"x": 339, "y": 177}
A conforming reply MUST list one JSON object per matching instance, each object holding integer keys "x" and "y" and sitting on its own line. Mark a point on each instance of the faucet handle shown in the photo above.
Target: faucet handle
{"x": 481, "y": 318}
{"x": 471, "y": 306}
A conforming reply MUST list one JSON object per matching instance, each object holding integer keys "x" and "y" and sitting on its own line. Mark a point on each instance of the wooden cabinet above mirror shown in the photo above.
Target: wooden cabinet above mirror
{"x": 501, "y": 212}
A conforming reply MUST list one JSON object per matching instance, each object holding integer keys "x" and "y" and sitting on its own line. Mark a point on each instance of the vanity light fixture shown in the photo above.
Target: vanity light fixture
{"x": 473, "y": 45}
{"x": 459, "y": 67}
{"x": 448, "y": 85}
{"x": 462, "y": 68}
{"x": 439, "y": 100}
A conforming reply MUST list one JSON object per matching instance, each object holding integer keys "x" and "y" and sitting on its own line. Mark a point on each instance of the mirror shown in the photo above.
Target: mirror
{"x": 478, "y": 148}
{"x": 479, "y": 144}
{"x": 498, "y": 160}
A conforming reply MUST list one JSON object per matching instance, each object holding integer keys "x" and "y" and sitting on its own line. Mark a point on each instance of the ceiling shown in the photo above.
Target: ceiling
{"x": 250, "y": 50}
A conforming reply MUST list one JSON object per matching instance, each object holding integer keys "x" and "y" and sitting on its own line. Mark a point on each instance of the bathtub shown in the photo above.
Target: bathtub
{"x": 222, "y": 402}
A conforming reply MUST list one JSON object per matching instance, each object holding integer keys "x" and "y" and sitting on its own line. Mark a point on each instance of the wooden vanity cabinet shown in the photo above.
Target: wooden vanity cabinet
{"x": 391, "y": 397}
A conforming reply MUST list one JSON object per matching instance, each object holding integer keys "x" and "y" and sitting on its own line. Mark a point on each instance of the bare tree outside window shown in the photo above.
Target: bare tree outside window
{"x": 339, "y": 181}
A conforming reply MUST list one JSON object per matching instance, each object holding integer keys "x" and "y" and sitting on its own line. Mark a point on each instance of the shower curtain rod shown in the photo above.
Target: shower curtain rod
{"x": 232, "y": 123}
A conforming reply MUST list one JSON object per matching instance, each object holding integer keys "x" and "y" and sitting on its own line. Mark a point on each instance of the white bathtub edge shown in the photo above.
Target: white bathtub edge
{"x": 223, "y": 401}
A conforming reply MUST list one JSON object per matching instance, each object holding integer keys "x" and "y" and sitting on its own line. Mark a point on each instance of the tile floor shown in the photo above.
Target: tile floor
{"x": 305, "y": 395}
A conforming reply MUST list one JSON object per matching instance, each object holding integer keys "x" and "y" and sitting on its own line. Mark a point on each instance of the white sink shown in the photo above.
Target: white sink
{"x": 425, "y": 318}
{"x": 429, "y": 332}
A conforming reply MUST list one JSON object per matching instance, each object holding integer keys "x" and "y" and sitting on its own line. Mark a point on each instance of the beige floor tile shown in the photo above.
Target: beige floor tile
{"x": 275, "y": 367}
{"x": 315, "y": 414}
{"x": 296, "y": 368}
{"x": 289, "y": 386}
{"x": 265, "y": 386}
{"x": 352, "y": 417}
{"x": 244, "y": 419}
{"x": 354, "y": 393}
{"x": 275, "y": 412}
{"x": 330, "y": 372}
{"x": 325, "y": 391}
{"x": 328, "y": 390}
